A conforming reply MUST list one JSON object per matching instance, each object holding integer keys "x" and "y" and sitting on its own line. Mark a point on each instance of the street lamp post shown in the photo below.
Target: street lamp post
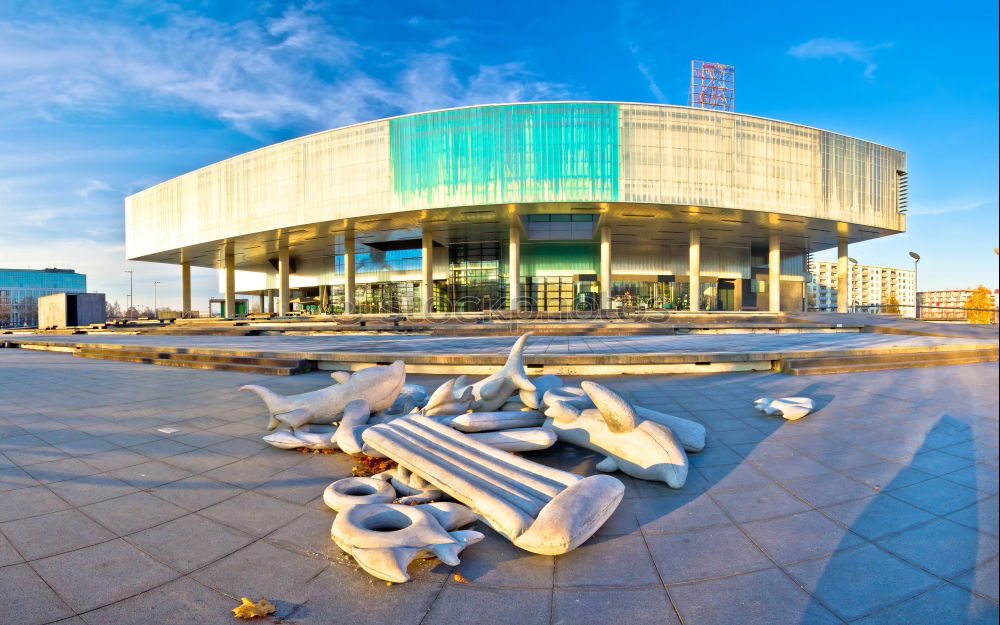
{"x": 131, "y": 297}
{"x": 916, "y": 291}
{"x": 155, "y": 308}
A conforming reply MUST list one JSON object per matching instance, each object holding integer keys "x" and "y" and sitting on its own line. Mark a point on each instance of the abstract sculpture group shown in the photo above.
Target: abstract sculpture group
{"x": 457, "y": 441}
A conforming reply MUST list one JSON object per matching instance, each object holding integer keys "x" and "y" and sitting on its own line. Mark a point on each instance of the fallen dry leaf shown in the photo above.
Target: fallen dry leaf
{"x": 458, "y": 577}
{"x": 368, "y": 466}
{"x": 250, "y": 609}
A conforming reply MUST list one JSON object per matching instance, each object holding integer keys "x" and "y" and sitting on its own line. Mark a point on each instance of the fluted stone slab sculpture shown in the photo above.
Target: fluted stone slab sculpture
{"x": 638, "y": 447}
{"x": 385, "y": 538}
{"x": 378, "y": 385}
{"x": 791, "y": 408}
{"x": 567, "y": 402}
{"x": 538, "y": 508}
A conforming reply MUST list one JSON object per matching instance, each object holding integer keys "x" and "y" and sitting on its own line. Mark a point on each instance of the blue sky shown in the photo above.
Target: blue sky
{"x": 99, "y": 100}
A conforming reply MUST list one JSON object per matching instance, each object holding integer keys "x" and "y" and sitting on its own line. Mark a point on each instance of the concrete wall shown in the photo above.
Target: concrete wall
{"x": 70, "y": 309}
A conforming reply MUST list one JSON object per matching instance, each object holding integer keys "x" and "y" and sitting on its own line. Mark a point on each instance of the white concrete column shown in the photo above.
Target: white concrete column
{"x": 185, "y": 289}
{"x": 843, "y": 297}
{"x": 605, "y": 267}
{"x": 270, "y": 303}
{"x": 324, "y": 298}
{"x": 514, "y": 258}
{"x": 260, "y": 301}
{"x": 694, "y": 269}
{"x": 283, "y": 268}
{"x": 774, "y": 273}
{"x": 348, "y": 273}
{"x": 230, "y": 260}
{"x": 427, "y": 272}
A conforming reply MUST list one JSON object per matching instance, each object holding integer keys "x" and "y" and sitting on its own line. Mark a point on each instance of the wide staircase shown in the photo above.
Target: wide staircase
{"x": 885, "y": 361}
{"x": 181, "y": 358}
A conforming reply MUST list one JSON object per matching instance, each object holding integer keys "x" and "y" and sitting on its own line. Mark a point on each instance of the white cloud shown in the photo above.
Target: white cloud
{"x": 294, "y": 71}
{"x": 628, "y": 28}
{"x": 839, "y": 49}
{"x": 919, "y": 210}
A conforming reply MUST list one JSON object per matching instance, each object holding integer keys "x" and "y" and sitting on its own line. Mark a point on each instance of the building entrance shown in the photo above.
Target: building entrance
{"x": 727, "y": 295}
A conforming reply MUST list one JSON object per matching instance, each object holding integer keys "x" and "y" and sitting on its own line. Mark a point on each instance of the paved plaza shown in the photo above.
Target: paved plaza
{"x": 879, "y": 508}
{"x": 538, "y": 345}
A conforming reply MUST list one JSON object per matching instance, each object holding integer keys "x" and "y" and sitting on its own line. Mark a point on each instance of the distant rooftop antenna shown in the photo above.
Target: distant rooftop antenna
{"x": 713, "y": 86}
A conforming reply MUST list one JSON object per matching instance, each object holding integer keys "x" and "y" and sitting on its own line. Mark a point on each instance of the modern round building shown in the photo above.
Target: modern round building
{"x": 551, "y": 206}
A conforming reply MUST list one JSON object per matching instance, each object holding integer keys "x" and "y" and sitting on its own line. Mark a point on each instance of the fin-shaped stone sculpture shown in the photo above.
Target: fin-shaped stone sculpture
{"x": 638, "y": 447}
{"x": 410, "y": 396}
{"x": 490, "y": 421}
{"x": 340, "y": 376}
{"x": 385, "y": 538}
{"x": 413, "y": 488}
{"x": 538, "y": 508}
{"x": 444, "y": 401}
{"x": 492, "y": 392}
{"x": 379, "y": 385}
{"x": 284, "y": 439}
{"x": 352, "y": 424}
{"x": 519, "y": 439}
{"x": 791, "y": 408}
{"x": 535, "y": 399}
{"x": 567, "y": 402}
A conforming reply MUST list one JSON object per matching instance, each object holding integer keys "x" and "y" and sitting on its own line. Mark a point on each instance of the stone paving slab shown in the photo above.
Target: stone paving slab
{"x": 879, "y": 508}
{"x": 540, "y": 349}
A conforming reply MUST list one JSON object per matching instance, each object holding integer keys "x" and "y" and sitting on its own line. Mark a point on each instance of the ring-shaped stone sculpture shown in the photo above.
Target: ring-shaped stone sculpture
{"x": 352, "y": 491}
{"x": 385, "y": 538}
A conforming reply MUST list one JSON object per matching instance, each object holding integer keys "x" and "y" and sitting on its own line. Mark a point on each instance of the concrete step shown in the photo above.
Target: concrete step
{"x": 180, "y": 354}
{"x": 884, "y": 362}
{"x": 266, "y": 366}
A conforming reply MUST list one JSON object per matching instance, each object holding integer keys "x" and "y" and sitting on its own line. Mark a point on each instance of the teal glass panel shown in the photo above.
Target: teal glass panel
{"x": 557, "y": 152}
{"x": 575, "y": 257}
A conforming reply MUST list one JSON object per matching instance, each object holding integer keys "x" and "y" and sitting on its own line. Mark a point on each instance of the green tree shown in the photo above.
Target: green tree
{"x": 978, "y": 306}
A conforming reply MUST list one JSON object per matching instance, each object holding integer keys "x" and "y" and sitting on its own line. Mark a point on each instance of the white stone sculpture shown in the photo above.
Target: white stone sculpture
{"x": 385, "y": 538}
{"x": 791, "y": 408}
{"x": 310, "y": 436}
{"x": 638, "y": 447}
{"x": 492, "y": 392}
{"x": 490, "y": 421}
{"x": 444, "y": 401}
{"x": 566, "y": 402}
{"x": 513, "y": 405}
{"x": 353, "y": 491}
{"x": 520, "y": 439}
{"x": 535, "y": 399}
{"x": 352, "y": 423}
{"x": 538, "y": 508}
{"x": 413, "y": 488}
{"x": 379, "y": 385}
{"x": 410, "y": 396}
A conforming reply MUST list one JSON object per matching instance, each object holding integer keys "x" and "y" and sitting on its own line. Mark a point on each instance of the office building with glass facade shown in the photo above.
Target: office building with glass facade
{"x": 554, "y": 206}
{"x": 21, "y": 288}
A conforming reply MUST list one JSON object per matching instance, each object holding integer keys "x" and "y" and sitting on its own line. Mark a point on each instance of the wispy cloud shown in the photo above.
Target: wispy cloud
{"x": 920, "y": 210}
{"x": 626, "y": 29}
{"x": 292, "y": 71}
{"x": 839, "y": 49}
